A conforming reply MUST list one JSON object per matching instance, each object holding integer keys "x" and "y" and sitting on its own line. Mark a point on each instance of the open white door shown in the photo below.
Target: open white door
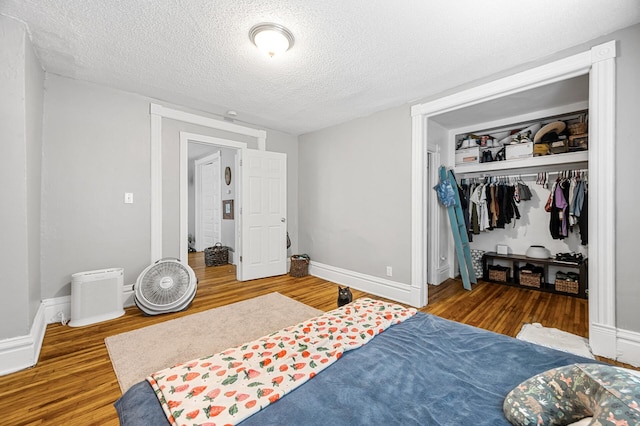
{"x": 263, "y": 214}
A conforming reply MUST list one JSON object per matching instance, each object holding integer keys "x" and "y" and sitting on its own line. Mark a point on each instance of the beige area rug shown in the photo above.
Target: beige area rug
{"x": 139, "y": 353}
{"x": 555, "y": 339}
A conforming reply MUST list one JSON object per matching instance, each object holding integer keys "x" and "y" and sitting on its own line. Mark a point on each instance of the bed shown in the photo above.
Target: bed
{"x": 423, "y": 371}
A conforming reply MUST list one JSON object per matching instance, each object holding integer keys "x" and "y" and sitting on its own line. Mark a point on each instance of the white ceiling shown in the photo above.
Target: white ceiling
{"x": 350, "y": 58}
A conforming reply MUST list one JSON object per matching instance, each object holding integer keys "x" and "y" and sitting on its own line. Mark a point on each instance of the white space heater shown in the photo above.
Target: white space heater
{"x": 96, "y": 296}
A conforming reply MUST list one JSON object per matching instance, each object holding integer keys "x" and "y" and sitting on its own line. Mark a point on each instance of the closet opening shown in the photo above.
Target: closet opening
{"x": 585, "y": 81}
{"x": 529, "y": 230}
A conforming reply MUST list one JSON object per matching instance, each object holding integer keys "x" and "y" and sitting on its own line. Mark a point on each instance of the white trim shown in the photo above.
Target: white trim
{"x": 393, "y": 290}
{"x": 563, "y": 69}
{"x": 127, "y": 296}
{"x": 200, "y": 120}
{"x": 18, "y": 353}
{"x": 419, "y": 247}
{"x": 185, "y": 138}
{"x": 599, "y": 62}
{"x": 628, "y": 344}
{"x": 157, "y": 112}
{"x": 156, "y": 186}
{"x": 602, "y": 233}
{"x": 57, "y": 308}
{"x": 440, "y": 273}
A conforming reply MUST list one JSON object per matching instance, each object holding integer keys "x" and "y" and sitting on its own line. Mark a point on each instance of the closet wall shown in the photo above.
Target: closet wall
{"x": 533, "y": 226}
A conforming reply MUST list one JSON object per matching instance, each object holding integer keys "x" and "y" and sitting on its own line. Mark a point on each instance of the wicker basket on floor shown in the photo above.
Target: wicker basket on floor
{"x": 567, "y": 286}
{"x": 299, "y": 266}
{"x": 500, "y": 275}
{"x": 530, "y": 279}
{"x": 216, "y": 255}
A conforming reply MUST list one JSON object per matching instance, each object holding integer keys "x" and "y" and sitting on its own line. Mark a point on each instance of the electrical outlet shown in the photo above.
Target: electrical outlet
{"x": 128, "y": 197}
{"x": 389, "y": 271}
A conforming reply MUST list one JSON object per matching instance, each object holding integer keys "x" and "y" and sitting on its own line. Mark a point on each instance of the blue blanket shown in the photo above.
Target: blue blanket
{"x": 425, "y": 371}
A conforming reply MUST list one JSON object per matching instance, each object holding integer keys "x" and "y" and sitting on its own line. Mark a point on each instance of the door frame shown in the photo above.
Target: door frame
{"x": 157, "y": 113}
{"x": 599, "y": 63}
{"x": 185, "y": 138}
{"x": 199, "y": 163}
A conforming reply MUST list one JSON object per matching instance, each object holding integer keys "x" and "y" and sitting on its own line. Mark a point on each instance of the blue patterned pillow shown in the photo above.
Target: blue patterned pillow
{"x": 564, "y": 395}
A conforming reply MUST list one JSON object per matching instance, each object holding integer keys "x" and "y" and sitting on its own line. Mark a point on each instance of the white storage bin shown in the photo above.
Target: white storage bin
{"x": 519, "y": 150}
{"x": 468, "y": 155}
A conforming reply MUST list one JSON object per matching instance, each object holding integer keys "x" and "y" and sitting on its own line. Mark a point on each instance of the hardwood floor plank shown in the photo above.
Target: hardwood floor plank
{"x": 74, "y": 383}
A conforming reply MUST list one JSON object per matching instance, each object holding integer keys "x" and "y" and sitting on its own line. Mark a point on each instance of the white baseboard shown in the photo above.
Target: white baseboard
{"x": 379, "y": 286}
{"x": 602, "y": 339}
{"x": 127, "y": 296}
{"x": 18, "y": 353}
{"x": 441, "y": 275}
{"x": 57, "y": 309}
{"x": 628, "y": 347}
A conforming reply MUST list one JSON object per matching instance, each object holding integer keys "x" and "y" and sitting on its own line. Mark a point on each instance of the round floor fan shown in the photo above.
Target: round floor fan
{"x": 166, "y": 286}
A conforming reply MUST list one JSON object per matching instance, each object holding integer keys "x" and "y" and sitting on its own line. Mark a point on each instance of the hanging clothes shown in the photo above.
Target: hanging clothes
{"x": 567, "y": 207}
{"x": 494, "y": 204}
{"x": 464, "y": 206}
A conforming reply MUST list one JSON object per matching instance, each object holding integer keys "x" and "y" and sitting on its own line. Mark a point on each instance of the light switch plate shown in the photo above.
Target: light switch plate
{"x": 128, "y": 197}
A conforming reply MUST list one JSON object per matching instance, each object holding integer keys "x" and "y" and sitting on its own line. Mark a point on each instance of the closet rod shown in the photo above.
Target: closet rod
{"x": 523, "y": 175}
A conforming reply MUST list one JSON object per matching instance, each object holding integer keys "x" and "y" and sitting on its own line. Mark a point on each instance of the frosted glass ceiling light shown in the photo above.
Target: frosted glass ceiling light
{"x": 272, "y": 39}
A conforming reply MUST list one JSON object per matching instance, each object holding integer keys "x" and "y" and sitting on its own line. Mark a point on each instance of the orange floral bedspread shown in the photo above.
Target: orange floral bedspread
{"x": 230, "y": 386}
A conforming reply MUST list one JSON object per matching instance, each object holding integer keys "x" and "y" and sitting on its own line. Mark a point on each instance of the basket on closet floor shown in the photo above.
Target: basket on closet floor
{"x": 530, "y": 279}
{"x": 499, "y": 273}
{"x": 216, "y": 255}
{"x": 567, "y": 286}
{"x": 299, "y": 265}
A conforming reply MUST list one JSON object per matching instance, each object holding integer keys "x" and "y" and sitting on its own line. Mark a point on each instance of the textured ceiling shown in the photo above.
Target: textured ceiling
{"x": 350, "y": 58}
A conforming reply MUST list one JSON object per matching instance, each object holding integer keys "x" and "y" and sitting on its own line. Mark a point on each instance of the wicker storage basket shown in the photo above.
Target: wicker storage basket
{"x": 501, "y": 275}
{"x": 216, "y": 255}
{"x": 530, "y": 279}
{"x": 299, "y": 266}
{"x": 567, "y": 286}
{"x": 578, "y": 128}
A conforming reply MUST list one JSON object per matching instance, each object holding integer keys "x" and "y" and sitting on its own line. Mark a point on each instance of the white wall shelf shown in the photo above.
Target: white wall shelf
{"x": 542, "y": 163}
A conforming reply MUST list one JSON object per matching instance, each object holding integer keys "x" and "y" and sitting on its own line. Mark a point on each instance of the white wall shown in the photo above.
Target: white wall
{"x": 627, "y": 154}
{"x": 21, "y": 133}
{"x": 96, "y": 147}
{"x": 355, "y": 195}
{"x": 227, "y": 159}
{"x": 34, "y": 105}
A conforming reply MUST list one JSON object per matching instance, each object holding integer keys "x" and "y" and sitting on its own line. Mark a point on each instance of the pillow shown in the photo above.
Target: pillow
{"x": 567, "y": 394}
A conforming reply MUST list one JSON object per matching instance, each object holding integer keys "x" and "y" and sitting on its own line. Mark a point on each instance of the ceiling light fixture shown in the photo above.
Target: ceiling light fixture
{"x": 272, "y": 39}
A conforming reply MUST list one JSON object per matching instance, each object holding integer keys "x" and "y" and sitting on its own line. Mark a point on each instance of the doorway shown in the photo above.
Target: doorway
{"x": 258, "y": 245}
{"x": 203, "y": 188}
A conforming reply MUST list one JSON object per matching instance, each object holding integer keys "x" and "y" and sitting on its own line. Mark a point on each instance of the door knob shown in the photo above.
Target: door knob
{"x": 283, "y": 220}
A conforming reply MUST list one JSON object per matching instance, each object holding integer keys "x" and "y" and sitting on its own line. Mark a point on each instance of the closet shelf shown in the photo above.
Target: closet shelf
{"x": 523, "y": 165}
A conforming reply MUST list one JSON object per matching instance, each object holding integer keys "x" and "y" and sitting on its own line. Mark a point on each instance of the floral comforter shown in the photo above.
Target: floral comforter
{"x": 230, "y": 386}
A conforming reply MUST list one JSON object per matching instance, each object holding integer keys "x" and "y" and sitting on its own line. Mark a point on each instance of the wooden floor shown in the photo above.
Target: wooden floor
{"x": 74, "y": 383}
